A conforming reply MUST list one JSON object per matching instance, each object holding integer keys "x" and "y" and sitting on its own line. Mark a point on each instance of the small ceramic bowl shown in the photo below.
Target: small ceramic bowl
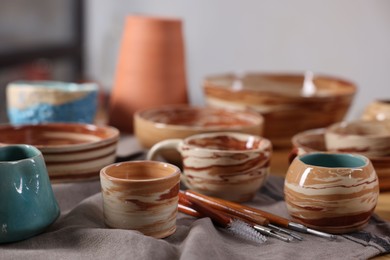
{"x": 332, "y": 192}
{"x": 377, "y": 110}
{"x": 369, "y": 138}
{"x": 72, "y": 152}
{"x": 33, "y": 102}
{"x": 290, "y": 103}
{"x": 180, "y": 121}
{"x": 313, "y": 140}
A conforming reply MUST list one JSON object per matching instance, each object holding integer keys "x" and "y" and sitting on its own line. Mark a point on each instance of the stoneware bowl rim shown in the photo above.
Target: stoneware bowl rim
{"x": 112, "y": 133}
{"x": 255, "y": 118}
{"x": 320, "y": 133}
{"x": 53, "y": 85}
{"x": 174, "y": 174}
{"x": 363, "y": 158}
{"x": 349, "y": 87}
{"x": 337, "y": 129}
{"x": 266, "y": 143}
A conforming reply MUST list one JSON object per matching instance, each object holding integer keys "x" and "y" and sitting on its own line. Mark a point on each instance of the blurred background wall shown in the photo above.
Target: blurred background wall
{"x": 80, "y": 39}
{"x": 345, "y": 38}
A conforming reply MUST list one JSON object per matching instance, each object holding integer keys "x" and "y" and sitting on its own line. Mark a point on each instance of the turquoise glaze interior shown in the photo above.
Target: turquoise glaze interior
{"x": 333, "y": 160}
{"x": 16, "y": 153}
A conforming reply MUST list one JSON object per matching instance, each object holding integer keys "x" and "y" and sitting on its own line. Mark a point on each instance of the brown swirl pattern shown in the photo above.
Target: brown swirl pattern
{"x": 336, "y": 200}
{"x": 71, "y": 151}
{"x": 279, "y": 98}
{"x": 142, "y": 196}
{"x": 226, "y": 165}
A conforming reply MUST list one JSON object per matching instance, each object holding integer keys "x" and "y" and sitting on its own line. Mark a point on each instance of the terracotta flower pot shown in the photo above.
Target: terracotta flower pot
{"x": 150, "y": 70}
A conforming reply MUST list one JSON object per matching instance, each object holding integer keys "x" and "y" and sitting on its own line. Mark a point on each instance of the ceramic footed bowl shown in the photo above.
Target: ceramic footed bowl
{"x": 180, "y": 121}
{"x": 72, "y": 151}
{"x": 33, "y": 102}
{"x": 314, "y": 141}
{"x": 370, "y": 138}
{"x": 377, "y": 110}
{"x": 304, "y": 101}
{"x": 336, "y": 193}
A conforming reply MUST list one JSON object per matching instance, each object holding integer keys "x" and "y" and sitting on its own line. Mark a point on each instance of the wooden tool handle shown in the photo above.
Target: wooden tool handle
{"x": 189, "y": 211}
{"x": 252, "y": 214}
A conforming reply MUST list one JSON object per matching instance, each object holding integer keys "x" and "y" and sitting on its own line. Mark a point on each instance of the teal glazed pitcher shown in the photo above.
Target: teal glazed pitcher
{"x": 27, "y": 202}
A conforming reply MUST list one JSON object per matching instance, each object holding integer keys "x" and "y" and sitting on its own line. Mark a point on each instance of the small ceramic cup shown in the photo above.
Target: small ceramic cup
{"x": 33, "y": 102}
{"x": 369, "y": 138}
{"x": 142, "y": 196}
{"x": 228, "y": 165}
{"x": 333, "y": 192}
{"x": 27, "y": 202}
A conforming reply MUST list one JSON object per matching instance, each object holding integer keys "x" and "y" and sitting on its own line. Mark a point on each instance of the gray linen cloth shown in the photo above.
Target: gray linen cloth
{"x": 80, "y": 233}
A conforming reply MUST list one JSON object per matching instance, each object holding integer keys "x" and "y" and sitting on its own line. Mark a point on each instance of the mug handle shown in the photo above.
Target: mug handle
{"x": 166, "y": 144}
{"x": 163, "y": 145}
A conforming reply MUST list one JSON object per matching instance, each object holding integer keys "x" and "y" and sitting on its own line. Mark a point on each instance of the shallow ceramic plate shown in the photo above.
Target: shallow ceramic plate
{"x": 71, "y": 151}
{"x": 314, "y": 141}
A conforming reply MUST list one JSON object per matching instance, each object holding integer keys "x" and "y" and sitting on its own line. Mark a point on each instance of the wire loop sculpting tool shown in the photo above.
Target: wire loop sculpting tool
{"x": 231, "y": 207}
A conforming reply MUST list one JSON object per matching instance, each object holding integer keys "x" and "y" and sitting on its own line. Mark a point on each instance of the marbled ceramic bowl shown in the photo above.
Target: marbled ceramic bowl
{"x": 377, "y": 110}
{"x": 332, "y": 192}
{"x": 180, "y": 121}
{"x": 313, "y": 140}
{"x": 290, "y": 103}
{"x": 72, "y": 152}
{"x": 369, "y": 138}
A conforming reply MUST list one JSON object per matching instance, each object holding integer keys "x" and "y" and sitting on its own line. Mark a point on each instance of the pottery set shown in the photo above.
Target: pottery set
{"x": 220, "y": 148}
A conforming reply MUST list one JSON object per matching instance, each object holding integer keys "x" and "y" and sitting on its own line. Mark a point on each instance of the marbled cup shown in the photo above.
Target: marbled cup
{"x": 332, "y": 192}
{"x": 142, "y": 196}
{"x": 228, "y": 165}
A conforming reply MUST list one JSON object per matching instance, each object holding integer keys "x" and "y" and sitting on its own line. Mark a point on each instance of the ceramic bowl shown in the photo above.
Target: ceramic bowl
{"x": 72, "y": 152}
{"x": 285, "y": 100}
{"x": 180, "y": 121}
{"x": 369, "y": 138}
{"x": 314, "y": 141}
{"x": 332, "y": 192}
{"x": 377, "y": 110}
{"x": 33, "y": 102}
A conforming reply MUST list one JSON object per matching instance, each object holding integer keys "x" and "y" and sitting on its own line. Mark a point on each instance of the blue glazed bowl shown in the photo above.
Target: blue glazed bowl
{"x": 27, "y": 202}
{"x": 33, "y": 102}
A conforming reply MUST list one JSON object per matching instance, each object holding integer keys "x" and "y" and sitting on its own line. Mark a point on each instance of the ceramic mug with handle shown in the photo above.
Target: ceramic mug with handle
{"x": 227, "y": 165}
